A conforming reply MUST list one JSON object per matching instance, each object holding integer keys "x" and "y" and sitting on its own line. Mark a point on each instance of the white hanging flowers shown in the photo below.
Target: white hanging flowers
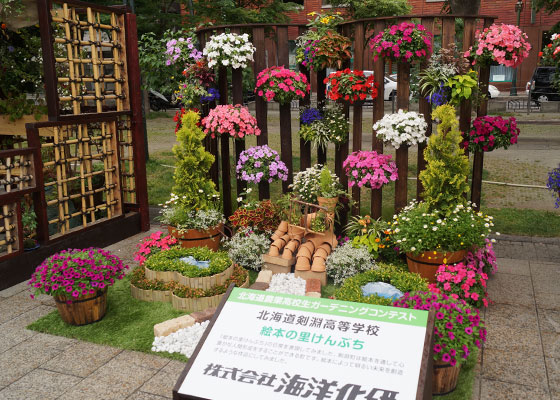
{"x": 402, "y": 128}
{"x": 229, "y": 49}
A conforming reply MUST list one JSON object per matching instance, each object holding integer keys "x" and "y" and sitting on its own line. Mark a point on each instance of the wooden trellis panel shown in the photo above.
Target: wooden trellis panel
{"x": 126, "y": 152}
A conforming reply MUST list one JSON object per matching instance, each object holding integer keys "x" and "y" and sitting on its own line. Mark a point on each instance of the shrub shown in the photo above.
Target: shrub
{"x": 346, "y": 261}
{"x": 169, "y": 260}
{"x": 246, "y": 249}
{"x": 405, "y": 281}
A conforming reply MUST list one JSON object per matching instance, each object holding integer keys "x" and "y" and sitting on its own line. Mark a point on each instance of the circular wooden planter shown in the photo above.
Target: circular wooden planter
{"x": 204, "y": 282}
{"x": 84, "y": 310}
{"x": 445, "y": 377}
{"x": 426, "y": 264}
{"x": 150, "y": 295}
{"x": 197, "y": 238}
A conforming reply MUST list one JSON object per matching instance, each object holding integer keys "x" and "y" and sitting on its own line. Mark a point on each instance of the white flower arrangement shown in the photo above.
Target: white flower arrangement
{"x": 307, "y": 184}
{"x": 402, "y": 128}
{"x": 229, "y": 49}
{"x": 346, "y": 261}
{"x": 246, "y": 249}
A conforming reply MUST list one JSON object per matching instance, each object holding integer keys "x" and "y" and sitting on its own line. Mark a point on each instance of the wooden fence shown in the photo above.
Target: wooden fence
{"x": 443, "y": 26}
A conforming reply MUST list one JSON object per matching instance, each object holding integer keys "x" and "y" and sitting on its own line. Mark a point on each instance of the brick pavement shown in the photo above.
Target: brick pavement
{"x": 520, "y": 360}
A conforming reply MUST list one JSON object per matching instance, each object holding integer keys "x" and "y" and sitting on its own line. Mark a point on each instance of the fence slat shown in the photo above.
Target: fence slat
{"x": 448, "y": 31}
{"x": 224, "y": 145}
{"x": 285, "y": 110}
{"x": 321, "y": 87}
{"x": 237, "y": 98}
{"x": 403, "y": 102}
{"x": 357, "y": 115}
{"x": 304, "y": 147}
{"x": 378, "y": 112}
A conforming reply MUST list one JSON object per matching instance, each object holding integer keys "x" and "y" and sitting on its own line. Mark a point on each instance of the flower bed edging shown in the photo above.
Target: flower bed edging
{"x": 204, "y": 282}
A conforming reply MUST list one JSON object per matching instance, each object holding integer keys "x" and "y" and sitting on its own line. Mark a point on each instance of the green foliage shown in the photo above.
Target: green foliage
{"x": 373, "y": 8}
{"x": 320, "y": 222}
{"x": 169, "y": 260}
{"x": 241, "y": 11}
{"x": 445, "y": 177}
{"x": 463, "y": 87}
{"x": 329, "y": 186}
{"x": 193, "y": 186}
{"x": 405, "y": 281}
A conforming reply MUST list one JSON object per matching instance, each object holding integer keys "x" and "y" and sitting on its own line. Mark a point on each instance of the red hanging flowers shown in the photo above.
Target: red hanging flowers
{"x": 351, "y": 86}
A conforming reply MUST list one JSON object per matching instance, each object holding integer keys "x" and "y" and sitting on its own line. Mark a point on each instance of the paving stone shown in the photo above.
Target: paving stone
{"x": 551, "y": 344}
{"x": 264, "y": 276}
{"x": 39, "y": 384}
{"x": 514, "y": 316}
{"x": 13, "y": 290}
{"x": 92, "y": 390}
{"x": 27, "y": 317}
{"x": 553, "y": 371}
{"x": 549, "y": 321}
{"x": 515, "y": 267}
{"x": 548, "y": 301}
{"x": 313, "y": 285}
{"x": 259, "y": 286}
{"x": 162, "y": 383}
{"x": 201, "y": 316}
{"x": 81, "y": 359}
{"x": 146, "y": 396}
{"x": 503, "y": 337}
{"x": 13, "y": 306}
{"x": 495, "y": 390}
{"x": 173, "y": 325}
{"x": 510, "y": 289}
{"x": 13, "y": 336}
{"x": 137, "y": 359}
{"x": 519, "y": 368}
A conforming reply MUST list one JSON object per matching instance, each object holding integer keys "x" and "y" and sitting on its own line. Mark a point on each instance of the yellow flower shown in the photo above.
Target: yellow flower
{"x": 435, "y": 252}
{"x": 312, "y": 13}
{"x": 445, "y": 260}
{"x": 459, "y": 235}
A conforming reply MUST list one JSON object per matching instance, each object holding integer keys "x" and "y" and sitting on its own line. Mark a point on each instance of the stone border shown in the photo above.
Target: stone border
{"x": 203, "y": 282}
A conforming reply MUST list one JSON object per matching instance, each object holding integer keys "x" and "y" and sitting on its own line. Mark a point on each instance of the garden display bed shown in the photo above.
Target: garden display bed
{"x": 203, "y": 282}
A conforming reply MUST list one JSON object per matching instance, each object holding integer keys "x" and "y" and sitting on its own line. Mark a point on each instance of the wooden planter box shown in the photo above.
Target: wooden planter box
{"x": 204, "y": 282}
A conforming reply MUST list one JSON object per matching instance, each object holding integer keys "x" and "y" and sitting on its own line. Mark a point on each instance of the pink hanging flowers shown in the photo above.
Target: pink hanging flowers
{"x": 233, "y": 120}
{"x": 489, "y": 133}
{"x": 281, "y": 84}
{"x": 406, "y": 42}
{"x": 369, "y": 169}
{"x": 502, "y": 43}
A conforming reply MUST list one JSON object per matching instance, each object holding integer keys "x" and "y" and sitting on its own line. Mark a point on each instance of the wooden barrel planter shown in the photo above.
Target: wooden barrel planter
{"x": 426, "y": 264}
{"x": 198, "y": 238}
{"x": 203, "y": 282}
{"x": 84, "y": 310}
{"x": 445, "y": 377}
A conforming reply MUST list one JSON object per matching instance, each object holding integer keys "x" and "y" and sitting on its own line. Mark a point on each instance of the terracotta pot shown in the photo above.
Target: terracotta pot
{"x": 444, "y": 379}
{"x": 328, "y": 202}
{"x": 427, "y": 263}
{"x": 198, "y": 238}
{"x": 84, "y": 310}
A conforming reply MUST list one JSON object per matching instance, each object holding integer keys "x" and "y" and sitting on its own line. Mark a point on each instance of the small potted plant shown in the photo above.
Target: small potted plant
{"x": 406, "y": 42}
{"x": 29, "y": 223}
{"x": 553, "y": 184}
{"x": 491, "y": 132}
{"x": 322, "y": 128}
{"x": 329, "y": 190}
{"x": 306, "y": 184}
{"x": 229, "y": 50}
{"x": 192, "y": 213}
{"x": 350, "y": 86}
{"x": 246, "y": 248}
{"x": 404, "y": 128}
{"x": 281, "y": 84}
{"x": 369, "y": 169}
{"x": 260, "y": 164}
{"x": 78, "y": 280}
{"x": 500, "y": 44}
{"x": 231, "y": 120}
{"x": 459, "y": 330}
{"x": 462, "y": 87}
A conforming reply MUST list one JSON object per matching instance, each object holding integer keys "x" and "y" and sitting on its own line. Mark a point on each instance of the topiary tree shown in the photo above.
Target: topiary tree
{"x": 445, "y": 176}
{"x": 192, "y": 186}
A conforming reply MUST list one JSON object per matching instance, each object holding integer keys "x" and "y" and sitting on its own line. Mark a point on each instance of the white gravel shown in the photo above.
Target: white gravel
{"x": 288, "y": 284}
{"x": 183, "y": 341}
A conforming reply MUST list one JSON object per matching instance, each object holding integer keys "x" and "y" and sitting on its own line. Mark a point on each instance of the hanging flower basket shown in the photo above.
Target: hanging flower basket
{"x": 351, "y": 86}
{"x": 232, "y": 120}
{"x": 406, "y": 42}
{"x": 282, "y": 85}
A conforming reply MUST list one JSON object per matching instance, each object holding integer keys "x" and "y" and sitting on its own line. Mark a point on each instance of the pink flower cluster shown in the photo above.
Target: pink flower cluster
{"x": 505, "y": 44}
{"x": 483, "y": 259}
{"x": 370, "y": 169}
{"x": 462, "y": 281}
{"x": 233, "y": 120}
{"x": 404, "y": 42}
{"x": 491, "y": 133}
{"x": 281, "y": 84}
{"x": 153, "y": 244}
{"x": 77, "y": 272}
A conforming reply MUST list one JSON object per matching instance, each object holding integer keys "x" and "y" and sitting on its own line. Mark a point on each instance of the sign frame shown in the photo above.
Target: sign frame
{"x": 424, "y": 388}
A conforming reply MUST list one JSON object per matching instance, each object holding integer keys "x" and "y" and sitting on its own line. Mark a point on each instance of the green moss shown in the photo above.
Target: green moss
{"x": 405, "y": 281}
{"x": 169, "y": 260}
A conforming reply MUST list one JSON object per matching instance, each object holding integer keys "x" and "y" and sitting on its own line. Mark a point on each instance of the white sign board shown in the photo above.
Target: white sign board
{"x": 271, "y": 346}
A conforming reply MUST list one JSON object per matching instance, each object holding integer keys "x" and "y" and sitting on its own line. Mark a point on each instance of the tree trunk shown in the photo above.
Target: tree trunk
{"x": 464, "y": 7}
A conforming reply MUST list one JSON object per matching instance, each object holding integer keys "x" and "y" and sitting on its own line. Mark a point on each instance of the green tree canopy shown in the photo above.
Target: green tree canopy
{"x": 358, "y": 9}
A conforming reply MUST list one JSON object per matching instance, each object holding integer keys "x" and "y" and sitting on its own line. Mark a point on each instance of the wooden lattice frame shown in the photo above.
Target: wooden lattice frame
{"x": 124, "y": 133}
{"x": 79, "y": 147}
{"x": 87, "y": 79}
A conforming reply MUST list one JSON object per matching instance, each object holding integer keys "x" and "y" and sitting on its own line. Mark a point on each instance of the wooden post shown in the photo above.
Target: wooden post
{"x": 448, "y": 31}
{"x": 237, "y": 94}
{"x": 285, "y": 110}
{"x": 39, "y": 197}
{"x": 260, "y": 104}
{"x": 357, "y": 116}
{"x": 49, "y": 68}
{"x": 425, "y": 109}
{"x": 137, "y": 125}
{"x": 321, "y": 96}
{"x": 304, "y": 147}
{"x": 403, "y": 94}
{"x": 224, "y": 144}
{"x": 378, "y": 112}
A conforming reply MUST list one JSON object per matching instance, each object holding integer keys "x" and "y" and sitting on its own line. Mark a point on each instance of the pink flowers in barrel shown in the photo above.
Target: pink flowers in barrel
{"x": 369, "y": 169}
{"x": 77, "y": 272}
{"x": 489, "y": 133}
{"x": 405, "y": 42}
{"x": 281, "y": 84}
{"x": 260, "y": 164}
{"x": 458, "y": 328}
{"x": 501, "y": 43}
{"x": 233, "y": 120}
